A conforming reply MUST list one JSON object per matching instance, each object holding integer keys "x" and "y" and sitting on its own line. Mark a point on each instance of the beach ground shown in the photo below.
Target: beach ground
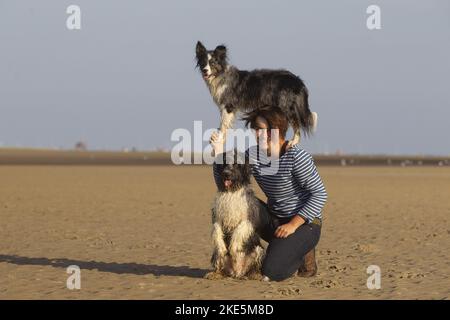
{"x": 142, "y": 232}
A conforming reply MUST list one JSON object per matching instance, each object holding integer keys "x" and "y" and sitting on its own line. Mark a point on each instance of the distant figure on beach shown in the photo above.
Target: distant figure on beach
{"x": 80, "y": 146}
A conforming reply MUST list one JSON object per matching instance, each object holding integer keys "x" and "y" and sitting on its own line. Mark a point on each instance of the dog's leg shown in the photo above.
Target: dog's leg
{"x": 228, "y": 266}
{"x": 253, "y": 263}
{"x": 226, "y": 120}
{"x": 225, "y": 271}
{"x": 240, "y": 236}
{"x": 247, "y": 264}
{"x": 297, "y": 136}
{"x": 220, "y": 248}
{"x": 238, "y": 267}
{"x": 296, "y": 139}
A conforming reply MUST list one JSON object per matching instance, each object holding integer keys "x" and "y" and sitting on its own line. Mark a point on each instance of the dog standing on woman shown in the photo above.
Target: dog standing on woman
{"x": 235, "y": 90}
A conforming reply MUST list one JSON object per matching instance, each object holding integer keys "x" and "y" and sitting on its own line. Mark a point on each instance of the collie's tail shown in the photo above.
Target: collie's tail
{"x": 306, "y": 118}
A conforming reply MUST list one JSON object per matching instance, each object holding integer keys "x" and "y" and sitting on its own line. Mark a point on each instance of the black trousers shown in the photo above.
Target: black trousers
{"x": 285, "y": 255}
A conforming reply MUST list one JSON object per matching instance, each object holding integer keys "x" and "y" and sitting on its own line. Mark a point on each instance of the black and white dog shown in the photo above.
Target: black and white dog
{"x": 235, "y": 90}
{"x": 236, "y": 217}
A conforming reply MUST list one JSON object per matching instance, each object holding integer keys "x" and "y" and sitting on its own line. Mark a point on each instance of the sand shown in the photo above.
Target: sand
{"x": 142, "y": 232}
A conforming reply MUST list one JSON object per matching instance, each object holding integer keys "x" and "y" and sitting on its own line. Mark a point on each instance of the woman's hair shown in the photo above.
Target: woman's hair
{"x": 275, "y": 118}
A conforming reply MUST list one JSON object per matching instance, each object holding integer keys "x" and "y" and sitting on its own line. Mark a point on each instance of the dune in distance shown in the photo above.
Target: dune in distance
{"x": 18, "y": 156}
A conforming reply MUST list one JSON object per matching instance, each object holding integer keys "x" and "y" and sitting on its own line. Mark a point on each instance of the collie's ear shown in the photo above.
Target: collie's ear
{"x": 221, "y": 52}
{"x": 200, "y": 49}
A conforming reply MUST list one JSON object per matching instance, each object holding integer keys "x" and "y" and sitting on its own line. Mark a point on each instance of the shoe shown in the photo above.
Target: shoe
{"x": 308, "y": 268}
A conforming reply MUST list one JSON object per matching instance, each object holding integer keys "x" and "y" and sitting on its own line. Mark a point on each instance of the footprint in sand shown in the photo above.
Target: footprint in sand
{"x": 325, "y": 284}
{"x": 336, "y": 268}
{"x": 328, "y": 252}
{"x": 411, "y": 275}
{"x": 405, "y": 275}
{"x": 366, "y": 248}
{"x": 289, "y": 291}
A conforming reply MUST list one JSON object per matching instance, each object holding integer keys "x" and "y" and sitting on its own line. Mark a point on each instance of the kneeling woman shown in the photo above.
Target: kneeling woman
{"x": 295, "y": 196}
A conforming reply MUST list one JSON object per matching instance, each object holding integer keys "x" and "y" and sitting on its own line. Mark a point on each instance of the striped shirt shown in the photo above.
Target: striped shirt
{"x": 291, "y": 183}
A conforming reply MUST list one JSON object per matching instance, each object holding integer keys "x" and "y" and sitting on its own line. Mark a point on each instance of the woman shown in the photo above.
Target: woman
{"x": 295, "y": 196}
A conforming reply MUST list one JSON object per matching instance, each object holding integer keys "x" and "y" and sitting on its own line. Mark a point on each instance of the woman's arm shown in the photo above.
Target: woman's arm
{"x": 305, "y": 172}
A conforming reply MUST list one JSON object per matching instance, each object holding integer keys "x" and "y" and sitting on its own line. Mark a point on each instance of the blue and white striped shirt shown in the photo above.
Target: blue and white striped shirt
{"x": 291, "y": 183}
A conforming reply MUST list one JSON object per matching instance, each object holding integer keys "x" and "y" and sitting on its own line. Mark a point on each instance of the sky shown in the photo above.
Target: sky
{"x": 127, "y": 78}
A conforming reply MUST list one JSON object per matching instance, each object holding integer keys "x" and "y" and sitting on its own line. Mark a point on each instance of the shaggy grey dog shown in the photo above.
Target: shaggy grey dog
{"x": 235, "y": 218}
{"x": 236, "y": 90}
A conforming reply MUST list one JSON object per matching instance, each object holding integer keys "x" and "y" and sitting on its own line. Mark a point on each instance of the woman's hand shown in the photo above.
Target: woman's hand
{"x": 285, "y": 230}
{"x": 217, "y": 142}
{"x": 289, "y": 228}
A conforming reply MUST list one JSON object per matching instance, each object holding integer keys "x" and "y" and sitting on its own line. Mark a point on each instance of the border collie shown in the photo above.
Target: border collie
{"x": 235, "y": 90}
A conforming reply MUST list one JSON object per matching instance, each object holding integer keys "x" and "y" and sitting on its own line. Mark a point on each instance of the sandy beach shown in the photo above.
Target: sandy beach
{"x": 142, "y": 232}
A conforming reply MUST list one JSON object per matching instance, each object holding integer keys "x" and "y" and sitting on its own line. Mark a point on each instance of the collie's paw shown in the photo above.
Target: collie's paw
{"x": 291, "y": 143}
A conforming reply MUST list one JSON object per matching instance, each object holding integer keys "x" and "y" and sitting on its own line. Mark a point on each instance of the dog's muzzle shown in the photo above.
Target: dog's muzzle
{"x": 227, "y": 183}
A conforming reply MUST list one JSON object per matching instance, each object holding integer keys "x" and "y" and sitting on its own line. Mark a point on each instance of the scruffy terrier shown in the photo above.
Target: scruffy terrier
{"x": 236, "y": 218}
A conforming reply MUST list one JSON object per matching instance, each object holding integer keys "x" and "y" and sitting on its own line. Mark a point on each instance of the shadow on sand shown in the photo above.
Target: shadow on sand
{"x": 113, "y": 267}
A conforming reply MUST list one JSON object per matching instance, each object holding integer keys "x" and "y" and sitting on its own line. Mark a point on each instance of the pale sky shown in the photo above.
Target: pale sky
{"x": 127, "y": 78}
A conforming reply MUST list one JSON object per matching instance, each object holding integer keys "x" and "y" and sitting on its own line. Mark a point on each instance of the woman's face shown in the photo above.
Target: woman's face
{"x": 262, "y": 133}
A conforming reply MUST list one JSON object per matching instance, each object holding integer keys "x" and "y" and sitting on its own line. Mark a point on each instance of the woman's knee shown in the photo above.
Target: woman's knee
{"x": 276, "y": 273}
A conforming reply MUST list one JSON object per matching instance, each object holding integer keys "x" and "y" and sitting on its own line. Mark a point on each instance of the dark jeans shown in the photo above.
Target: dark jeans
{"x": 285, "y": 255}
